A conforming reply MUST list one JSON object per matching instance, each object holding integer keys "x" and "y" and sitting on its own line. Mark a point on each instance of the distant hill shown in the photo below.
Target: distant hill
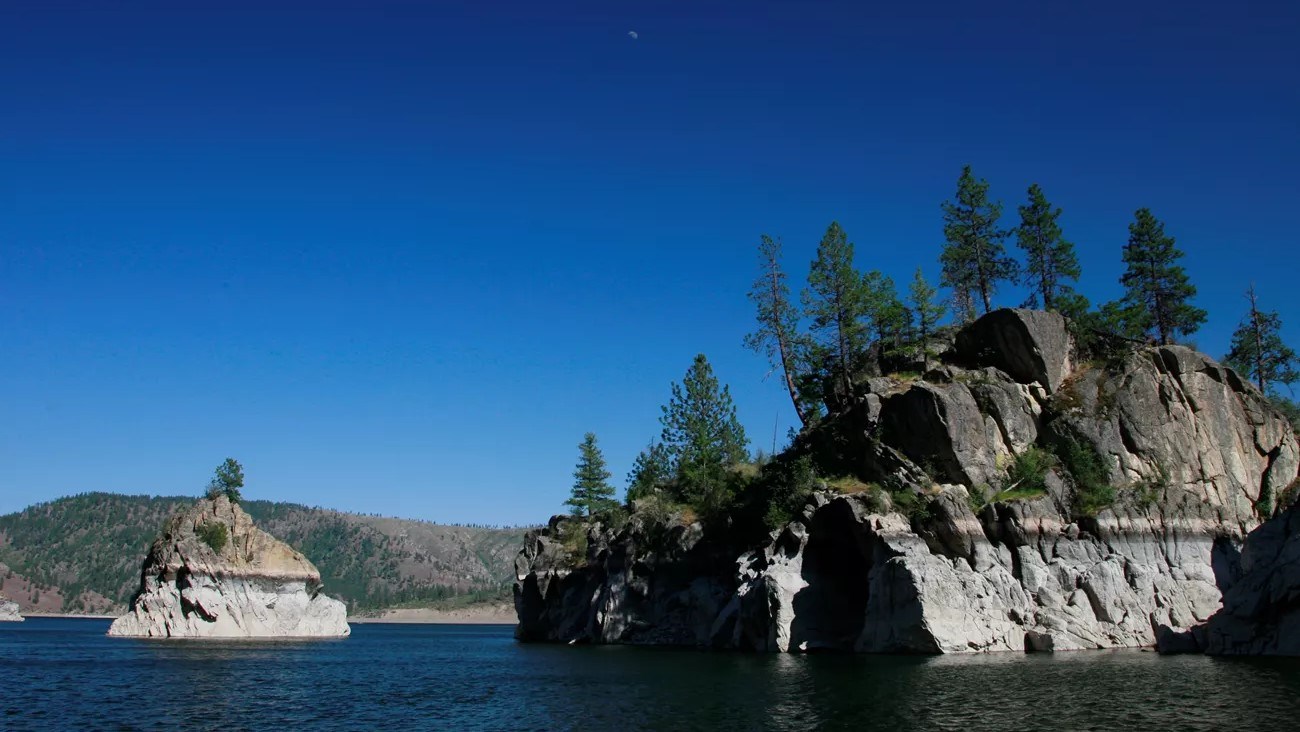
{"x": 82, "y": 554}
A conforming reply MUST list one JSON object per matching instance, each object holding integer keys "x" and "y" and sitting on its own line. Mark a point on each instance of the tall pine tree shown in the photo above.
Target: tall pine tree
{"x": 702, "y": 435}
{"x": 592, "y": 492}
{"x": 778, "y": 320}
{"x": 1157, "y": 295}
{"x": 1050, "y": 261}
{"x": 835, "y": 304}
{"x": 1258, "y": 350}
{"x": 974, "y": 260}
{"x": 890, "y": 319}
{"x": 926, "y": 313}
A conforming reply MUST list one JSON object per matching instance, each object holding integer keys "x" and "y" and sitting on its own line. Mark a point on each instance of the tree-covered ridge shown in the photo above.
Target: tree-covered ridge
{"x": 87, "y": 550}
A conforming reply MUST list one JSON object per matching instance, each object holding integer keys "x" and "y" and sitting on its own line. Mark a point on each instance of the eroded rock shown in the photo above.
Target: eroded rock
{"x": 254, "y": 586}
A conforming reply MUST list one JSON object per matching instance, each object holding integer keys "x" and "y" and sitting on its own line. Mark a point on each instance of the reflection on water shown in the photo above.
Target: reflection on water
{"x": 65, "y": 675}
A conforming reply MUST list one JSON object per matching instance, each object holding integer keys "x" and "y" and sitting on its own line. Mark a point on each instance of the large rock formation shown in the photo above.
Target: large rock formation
{"x": 212, "y": 574}
{"x": 8, "y": 610}
{"x": 1166, "y": 460}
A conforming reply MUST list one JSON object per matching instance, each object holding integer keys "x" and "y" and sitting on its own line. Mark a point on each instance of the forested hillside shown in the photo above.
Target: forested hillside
{"x": 83, "y": 553}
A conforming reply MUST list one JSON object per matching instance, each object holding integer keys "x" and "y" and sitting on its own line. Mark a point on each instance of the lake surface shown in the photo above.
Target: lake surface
{"x": 63, "y": 674}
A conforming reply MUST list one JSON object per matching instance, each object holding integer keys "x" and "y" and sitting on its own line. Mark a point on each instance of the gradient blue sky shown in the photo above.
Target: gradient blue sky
{"x": 398, "y": 257}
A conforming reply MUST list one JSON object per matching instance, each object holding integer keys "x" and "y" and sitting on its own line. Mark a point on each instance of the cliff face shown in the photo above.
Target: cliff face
{"x": 193, "y": 585}
{"x": 1166, "y": 460}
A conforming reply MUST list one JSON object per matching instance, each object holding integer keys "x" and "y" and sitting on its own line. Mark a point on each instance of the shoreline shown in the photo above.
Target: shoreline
{"x": 473, "y": 615}
{"x": 74, "y": 616}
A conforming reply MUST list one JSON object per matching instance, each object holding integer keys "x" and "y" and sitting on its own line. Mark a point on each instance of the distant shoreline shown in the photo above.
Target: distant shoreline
{"x": 75, "y": 616}
{"x": 491, "y": 614}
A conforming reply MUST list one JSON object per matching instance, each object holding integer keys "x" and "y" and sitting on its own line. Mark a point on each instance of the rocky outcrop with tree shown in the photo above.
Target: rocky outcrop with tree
{"x": 213, "y": 574}
{"x": 1014, "y": 496}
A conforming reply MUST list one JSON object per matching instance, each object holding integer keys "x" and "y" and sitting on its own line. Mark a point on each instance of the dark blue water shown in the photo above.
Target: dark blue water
{"x": 58, "y": 674}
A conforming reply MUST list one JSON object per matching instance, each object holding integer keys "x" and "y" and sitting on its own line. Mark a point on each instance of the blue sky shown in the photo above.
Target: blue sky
{"x": 398, "y": 257}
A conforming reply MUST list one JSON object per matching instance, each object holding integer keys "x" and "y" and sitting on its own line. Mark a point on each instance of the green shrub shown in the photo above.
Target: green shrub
{"x": 1027, "y": 474}
{"x": 875, "y": 500}
{"x": 1289, "y": 494}
{"x": 909, "y": 503}
{"x": 573, "y": 537}
{"x": 1088, "y": 475}
{"x": 214, "y": 534}
{"x": 1145, "y": 492}
{"x": 1264, "y": 506}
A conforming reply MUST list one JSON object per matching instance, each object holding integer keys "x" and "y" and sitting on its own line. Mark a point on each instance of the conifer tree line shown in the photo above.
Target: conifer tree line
{"x": 851, "y": 322}
{"x": 694, "y": 461}
{"x": 846, "y": 325}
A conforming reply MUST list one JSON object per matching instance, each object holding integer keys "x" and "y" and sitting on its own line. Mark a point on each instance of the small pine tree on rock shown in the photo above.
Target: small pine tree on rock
{"x": 702, "y": 435}
{"x": 890, "y": 319}
{"x": 1157, "y": 295}
{"x": 974, "y": 259}
{"x": 1050, "y": 260}
{"x": 592, "y": 492}
{"x": 227, "y": 481}
{"x": 1258, "y": 350}
{"x": 926, "y": 313}
{"x": 836, "y": 305}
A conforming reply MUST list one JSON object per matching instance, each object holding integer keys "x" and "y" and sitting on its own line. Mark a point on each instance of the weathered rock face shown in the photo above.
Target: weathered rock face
{"x": 1188, "y": 449}
{"x": 1261, "y": 605}
{"x": 8, "y": 610}
{"x": 254, "y": 586}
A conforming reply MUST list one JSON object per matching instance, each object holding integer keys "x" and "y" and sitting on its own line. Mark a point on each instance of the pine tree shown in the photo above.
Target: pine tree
{"x": 227, "y": 481}
{"x": 1157, "y": 295}
{"x": 650, "y": 473}
{"x": 592, "y": 492}
{"x": 974, "y": 260}
{"x": 777, "y": 319}
{"x": 702, "y": 435}
{"x": 926, "y": 312}
{"x": 1050, "y": 260}
{"x": 1258, "y": 350}
{"x": 835, "y": 304}
{"x": 889, "y": 318}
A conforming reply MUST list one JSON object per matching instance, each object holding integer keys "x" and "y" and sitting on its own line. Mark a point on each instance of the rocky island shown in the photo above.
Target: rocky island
{"x": 1002, "y": 493}
{"x": 9, "y": 610}
{"x": 213, "y": 574}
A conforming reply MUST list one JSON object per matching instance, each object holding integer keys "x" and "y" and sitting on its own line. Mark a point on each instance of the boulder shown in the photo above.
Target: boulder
{"x": 213, "y": 574}
{"x": 1031, "y": 346}
{"x": 9, "y": 610}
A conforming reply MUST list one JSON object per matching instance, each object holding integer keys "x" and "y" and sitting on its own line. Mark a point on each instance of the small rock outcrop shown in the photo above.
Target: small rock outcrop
{"x": 213, "y": 574}
{"x": 1161, "y": 463}
{"x": 9, "y": 610}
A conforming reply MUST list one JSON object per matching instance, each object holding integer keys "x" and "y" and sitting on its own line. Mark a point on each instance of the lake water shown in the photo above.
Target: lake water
{"x": 62, "y": 674}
